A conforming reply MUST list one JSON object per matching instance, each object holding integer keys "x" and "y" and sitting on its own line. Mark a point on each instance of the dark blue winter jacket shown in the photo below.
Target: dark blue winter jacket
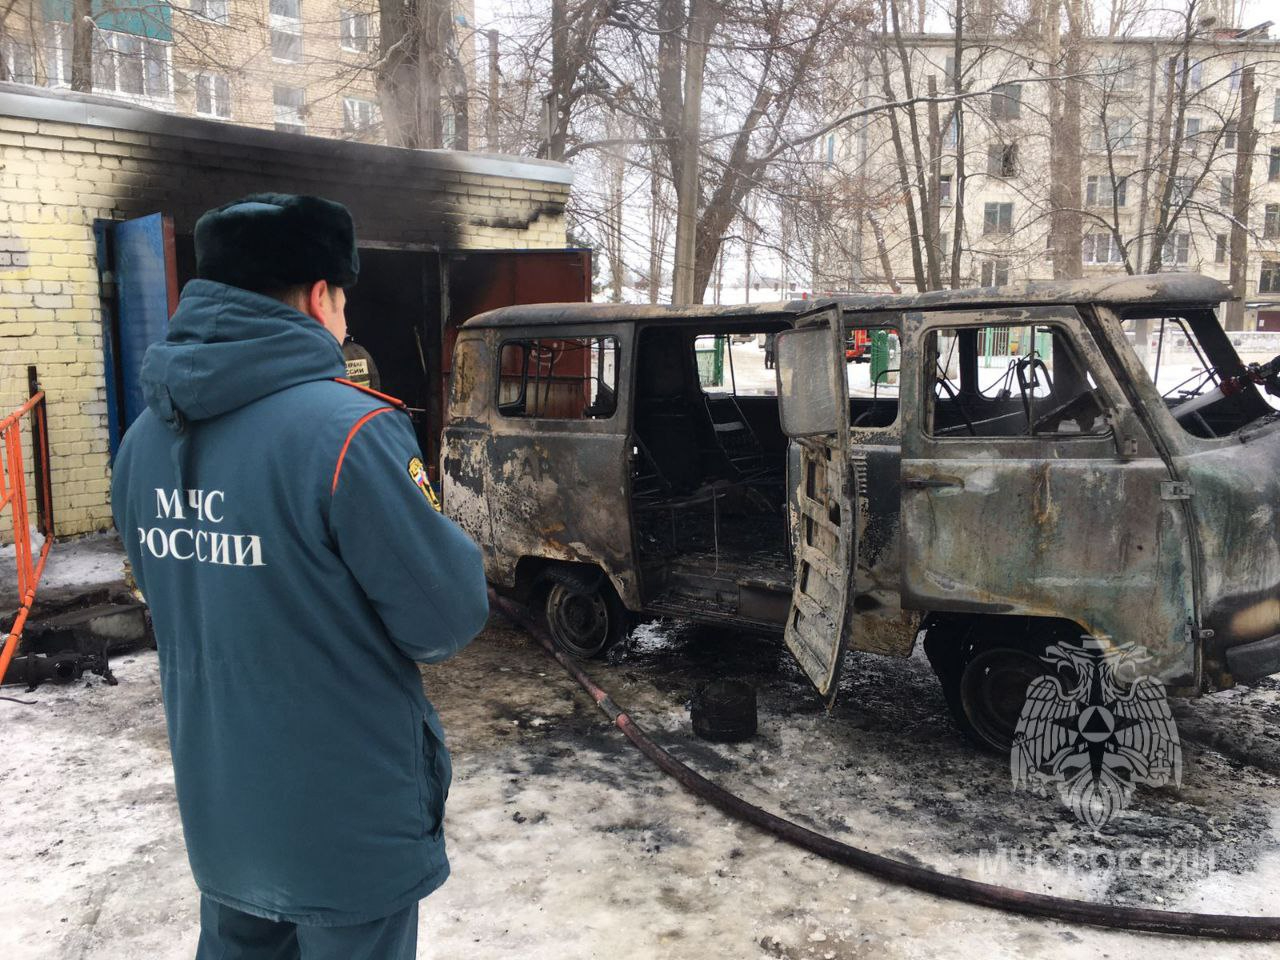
{"x": 279, "y": 526}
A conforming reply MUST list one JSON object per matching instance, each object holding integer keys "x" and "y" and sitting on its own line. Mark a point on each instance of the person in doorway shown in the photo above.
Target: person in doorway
{"x": 280, "y": 525}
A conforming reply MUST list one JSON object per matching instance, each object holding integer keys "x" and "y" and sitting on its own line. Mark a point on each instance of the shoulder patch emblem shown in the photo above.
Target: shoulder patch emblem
{"x": 418, "y": 473}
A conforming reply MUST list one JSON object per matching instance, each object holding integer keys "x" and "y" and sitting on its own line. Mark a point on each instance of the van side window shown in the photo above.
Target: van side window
{"x": 1188, "y": 357}
{"x": 873, "y": 359}
{"x": 1030, "y": 382}
{"x": 561, "y": 378}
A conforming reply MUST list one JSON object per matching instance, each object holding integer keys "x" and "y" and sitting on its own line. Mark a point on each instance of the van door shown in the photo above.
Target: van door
{"x": 813, "y": 405}
{"x": 1030, "y": 487}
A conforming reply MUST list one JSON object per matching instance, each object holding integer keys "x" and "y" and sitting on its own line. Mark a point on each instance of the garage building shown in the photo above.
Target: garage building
{"x": 98, "y": 202}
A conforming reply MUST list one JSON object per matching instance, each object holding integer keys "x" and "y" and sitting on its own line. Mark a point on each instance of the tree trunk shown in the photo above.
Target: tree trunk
{"x": 1246, "y": 143}
{"x": 904, "y": 179}
{"x": 414, "y": 41}
{"x": 958, "y": 187}
{"x": 1065, "y": 221}
{"x": 491, "y": 114}
{"x": 82, "y": 46}
{"x": 927, "y": 191}
{"x": 657, "y": 226}
{"x": 1171, "y": 139}
{"x": 883, "y": 252}
{"x": 699, "y": 32}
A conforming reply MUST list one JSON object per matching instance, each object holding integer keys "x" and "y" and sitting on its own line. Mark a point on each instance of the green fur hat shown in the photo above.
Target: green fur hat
{"x": 268, "y": 241}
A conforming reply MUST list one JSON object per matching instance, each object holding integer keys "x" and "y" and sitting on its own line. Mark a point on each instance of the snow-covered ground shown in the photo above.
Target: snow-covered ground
{"x": 566, "y": 844}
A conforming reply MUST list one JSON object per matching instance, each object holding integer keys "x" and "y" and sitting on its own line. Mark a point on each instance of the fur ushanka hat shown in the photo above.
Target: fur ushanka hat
{"x": 269, "y": 241}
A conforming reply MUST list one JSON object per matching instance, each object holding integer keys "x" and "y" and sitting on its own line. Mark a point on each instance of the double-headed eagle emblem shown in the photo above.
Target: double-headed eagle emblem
{"x": 1092, "y": 736}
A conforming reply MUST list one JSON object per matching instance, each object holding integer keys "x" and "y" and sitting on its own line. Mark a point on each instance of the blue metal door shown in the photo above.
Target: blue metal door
{"x": 140, "y": 284}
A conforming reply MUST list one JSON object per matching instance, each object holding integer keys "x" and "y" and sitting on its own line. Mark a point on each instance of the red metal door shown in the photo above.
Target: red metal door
{"x": 476, "y": 281}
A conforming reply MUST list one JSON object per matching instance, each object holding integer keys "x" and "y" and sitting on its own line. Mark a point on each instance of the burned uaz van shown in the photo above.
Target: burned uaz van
{"x": 994, "y": 470}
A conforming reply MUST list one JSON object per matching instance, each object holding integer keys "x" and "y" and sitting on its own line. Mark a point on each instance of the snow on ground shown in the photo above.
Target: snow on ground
{"x": 566, "y": 844}
{"x": 74, "y": 567}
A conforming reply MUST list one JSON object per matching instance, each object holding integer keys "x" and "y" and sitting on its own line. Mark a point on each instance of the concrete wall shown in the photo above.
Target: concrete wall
{"x": 57, "y": 177}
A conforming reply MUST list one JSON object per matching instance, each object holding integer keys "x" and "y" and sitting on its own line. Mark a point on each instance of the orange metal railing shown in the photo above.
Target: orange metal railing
{"x": 13, "y": 494}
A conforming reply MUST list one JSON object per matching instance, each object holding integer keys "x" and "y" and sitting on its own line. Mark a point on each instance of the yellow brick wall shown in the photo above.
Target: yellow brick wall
{"x": 57, "y": 178}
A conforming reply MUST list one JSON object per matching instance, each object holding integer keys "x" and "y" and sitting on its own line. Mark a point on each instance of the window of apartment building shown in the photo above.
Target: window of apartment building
{"x": 355, "y": 31}
{"x": 1275, "y": 108}
{"x": 1271, "y": 221}
{"x": 1176, "y": 249}
{"x": 1190, "y": 75}
{"x": 57, "y": 54}
{"x": 19, "y": 63}
{"x": 951, "y": 135}
{"x": 1226, "y": 191}
{"x": 995, "y": 273}
{"x": 1006, "y": 101}
{"x": 358, "y": 115}
{"x": 1117, "y": 136}
{"x": 1002, "y": 159}
{"x": 290, "y": 102}
{"x": 1102, "y": 247}
{"x": 944, "y": 189}
{"x": 1229, "y": 135}
{"x": 286, "y": 30}
{"x": 1273, "y": 164}
{"x": 213, "y": 95}
{"x": 1220, "y": 249}
{"x": 1269, "y": 279}
{"x": 1183, "y": 188}
{"x": 997, "y": 218}
{"x": 1102, "y": 191}
{"x": 132, "y": 65}
{"x": 216, "y": 10}
{"x": 1118, "y": 72}
{"x": 1233, "y": 78}
{"x": 1191, "y": 127}
{"x": 949, "y": 72}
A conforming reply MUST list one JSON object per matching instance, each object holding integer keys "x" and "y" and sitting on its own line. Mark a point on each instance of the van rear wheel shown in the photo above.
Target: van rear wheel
{"x": 985, "y": 667}
{"x": 584, "y": 621}
{"x": 993, "y": 690}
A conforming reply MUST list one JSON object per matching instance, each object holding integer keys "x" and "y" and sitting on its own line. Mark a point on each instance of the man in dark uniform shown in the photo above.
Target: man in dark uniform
{"x": 280, "y": 525}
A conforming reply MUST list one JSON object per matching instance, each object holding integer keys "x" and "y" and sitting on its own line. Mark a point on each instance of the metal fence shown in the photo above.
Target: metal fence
{"x": 13, "y": 495}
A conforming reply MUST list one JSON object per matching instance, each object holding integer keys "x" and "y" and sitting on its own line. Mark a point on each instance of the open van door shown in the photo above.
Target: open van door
{"x": 813, "y": 404}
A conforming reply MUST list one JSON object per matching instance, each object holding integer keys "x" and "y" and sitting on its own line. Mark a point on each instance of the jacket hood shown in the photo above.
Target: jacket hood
{"x": 227, "y": 347}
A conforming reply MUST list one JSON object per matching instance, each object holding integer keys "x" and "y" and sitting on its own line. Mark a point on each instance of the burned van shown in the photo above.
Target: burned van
{"x": 993, "y": 470}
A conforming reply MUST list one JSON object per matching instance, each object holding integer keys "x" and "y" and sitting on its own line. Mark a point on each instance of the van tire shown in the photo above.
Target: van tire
{"x": 984, "y": 667}
{"x": 584, "y": 620}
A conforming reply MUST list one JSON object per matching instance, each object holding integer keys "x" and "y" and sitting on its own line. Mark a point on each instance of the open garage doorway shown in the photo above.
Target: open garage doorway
{"x": 394, "y": 313}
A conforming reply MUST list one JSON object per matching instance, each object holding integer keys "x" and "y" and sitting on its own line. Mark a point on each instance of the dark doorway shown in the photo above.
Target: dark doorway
{"x": 394, "y": 313}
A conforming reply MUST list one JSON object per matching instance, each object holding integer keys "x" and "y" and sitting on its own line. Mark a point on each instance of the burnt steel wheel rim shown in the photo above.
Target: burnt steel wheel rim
{"x": 993, "y": 691}
{"x": 579, "y": 620}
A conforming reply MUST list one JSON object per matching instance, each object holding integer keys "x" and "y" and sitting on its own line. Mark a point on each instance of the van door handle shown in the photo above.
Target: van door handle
{"x": 929, "y": 483}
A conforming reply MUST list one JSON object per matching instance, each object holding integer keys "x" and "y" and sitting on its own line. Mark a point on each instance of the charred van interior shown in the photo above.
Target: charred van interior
{"x": 708, "y": 475}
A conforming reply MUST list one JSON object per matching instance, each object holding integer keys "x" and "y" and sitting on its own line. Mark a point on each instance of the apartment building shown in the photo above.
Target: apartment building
{"x": 297, "y": 66}
{"x": 1160, "y": 138}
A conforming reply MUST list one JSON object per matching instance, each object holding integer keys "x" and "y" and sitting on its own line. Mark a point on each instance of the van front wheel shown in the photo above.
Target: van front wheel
{"x": 584, "y": 621}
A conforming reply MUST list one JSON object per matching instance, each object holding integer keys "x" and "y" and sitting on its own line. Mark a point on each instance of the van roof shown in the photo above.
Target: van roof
{"x": 1150, "y": 289}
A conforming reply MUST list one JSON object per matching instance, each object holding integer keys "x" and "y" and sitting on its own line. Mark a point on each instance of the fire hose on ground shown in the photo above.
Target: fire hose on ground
{"x": 1045, "y": 906}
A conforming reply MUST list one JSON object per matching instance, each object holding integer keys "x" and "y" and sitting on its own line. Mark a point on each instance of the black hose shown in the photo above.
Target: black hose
{"x": 1213, "y": 926}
